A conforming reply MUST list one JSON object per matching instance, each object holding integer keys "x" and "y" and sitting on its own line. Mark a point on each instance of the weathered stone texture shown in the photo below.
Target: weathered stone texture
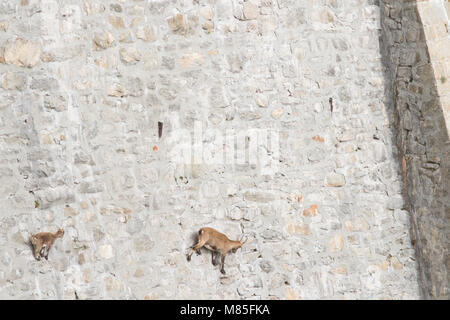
{"x": 416, "y": 50}
{"x": 20, "y": 52}
{"x": 84, "y": 86}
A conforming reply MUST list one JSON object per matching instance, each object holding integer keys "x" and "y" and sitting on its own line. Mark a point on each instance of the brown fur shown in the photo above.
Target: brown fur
{"x": 43, "y": 241}
{"x": 217, "y": 242}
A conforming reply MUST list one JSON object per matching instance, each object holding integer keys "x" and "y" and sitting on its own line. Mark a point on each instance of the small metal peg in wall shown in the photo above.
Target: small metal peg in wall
{"x": 160, "y": 128}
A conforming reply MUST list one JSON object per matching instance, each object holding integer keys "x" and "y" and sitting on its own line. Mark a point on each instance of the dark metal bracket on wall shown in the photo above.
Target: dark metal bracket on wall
{"x": 160, "y": 129}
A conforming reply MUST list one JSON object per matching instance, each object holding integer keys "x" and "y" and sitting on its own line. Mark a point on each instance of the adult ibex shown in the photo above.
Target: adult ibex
{"x": 217, "y": 242}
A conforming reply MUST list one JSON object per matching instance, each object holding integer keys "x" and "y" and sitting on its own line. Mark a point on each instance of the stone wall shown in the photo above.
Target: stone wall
{"x": 84, "y": 85}
{"x": 416, "y": 48}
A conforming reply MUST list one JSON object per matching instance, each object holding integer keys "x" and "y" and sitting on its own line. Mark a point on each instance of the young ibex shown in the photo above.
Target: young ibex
{"x": 43, "y": 241}
{"x": 217, "y": 242}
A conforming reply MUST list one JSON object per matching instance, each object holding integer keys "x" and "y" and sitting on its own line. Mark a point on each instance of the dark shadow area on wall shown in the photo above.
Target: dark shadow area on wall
{"x": 417, "y": 120}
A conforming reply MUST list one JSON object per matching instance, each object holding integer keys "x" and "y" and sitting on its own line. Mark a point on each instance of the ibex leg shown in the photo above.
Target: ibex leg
{"x": 213, "y": 258}
{"x": 223, "y": 264}
{"x": 196, "y": 248}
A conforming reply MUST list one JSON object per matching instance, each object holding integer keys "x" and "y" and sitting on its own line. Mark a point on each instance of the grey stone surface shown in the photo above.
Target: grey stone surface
{"x": 82, "y": 94}
{"x": 418, "y": 110}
